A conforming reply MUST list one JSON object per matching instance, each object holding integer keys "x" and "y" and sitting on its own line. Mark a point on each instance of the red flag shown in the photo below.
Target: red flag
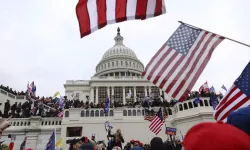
{"x": 11, "y": 145}
{"x": 95, "y": 14}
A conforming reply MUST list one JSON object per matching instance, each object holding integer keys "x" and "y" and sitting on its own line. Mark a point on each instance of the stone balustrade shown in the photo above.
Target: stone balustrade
{"x": 9, "y": 95}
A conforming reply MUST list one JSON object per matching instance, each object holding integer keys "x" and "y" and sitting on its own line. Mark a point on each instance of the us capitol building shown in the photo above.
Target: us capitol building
{"x": 118, "y": 76}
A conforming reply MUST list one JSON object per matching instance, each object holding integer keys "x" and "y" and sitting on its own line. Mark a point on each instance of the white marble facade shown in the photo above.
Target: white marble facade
{"x": 117, "y": 74}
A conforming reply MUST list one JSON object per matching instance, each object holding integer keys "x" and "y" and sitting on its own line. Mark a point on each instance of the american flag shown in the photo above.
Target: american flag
{"x": 60, "y": 115}
{"x": 151, "y": 117}
{"x": 33, "y": 110}
{"x": 204, "y": 87}
{"x": 238, "y": 96}
{"x": 157, "y": 122}
{"x": 178, "y": 64}
{"x": 22, "y": 146}
{"x": 96, "y": 14}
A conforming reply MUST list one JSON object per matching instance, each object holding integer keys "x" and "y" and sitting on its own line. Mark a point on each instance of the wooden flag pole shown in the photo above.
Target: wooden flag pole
{"x": 215, "y": 33}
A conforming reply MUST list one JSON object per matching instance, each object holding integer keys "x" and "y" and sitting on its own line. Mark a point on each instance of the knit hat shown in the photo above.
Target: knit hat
{"x": 216, "y": 136}
{"x": 240, "y": 119}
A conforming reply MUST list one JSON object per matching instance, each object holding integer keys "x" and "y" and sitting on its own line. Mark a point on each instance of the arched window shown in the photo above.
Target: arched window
{"x": 87, "y": 113}
{"x": 97, "y": 113}
{"x": 92, "y": 113}
{"x": 138, "y": 112}
{"x": 195, "y": 105}
{"x": 113, "y": 64}
{"x": 134, "y": 112}
{"x": 190, "y": 105}
{"x": 111, "y": 113}
{"x": 101, "y": 113}
{"x": 124, "y": 112}
{"x": 206, "y": 102}
{"x": 129, "y": 113}
{"x": 180, "y": 107}
{"x": 82, "y": 113}
{"x": 66, "y": 113}
{"x": 185, "y": 106}
{"x": 201, "y": 103}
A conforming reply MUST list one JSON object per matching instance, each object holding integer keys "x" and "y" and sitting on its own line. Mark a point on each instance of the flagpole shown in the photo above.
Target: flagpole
{"x": 55, "y": 138}
{"x": 215, "y": 33}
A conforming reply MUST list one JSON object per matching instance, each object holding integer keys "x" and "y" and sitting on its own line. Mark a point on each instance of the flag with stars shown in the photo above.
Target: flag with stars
{"x": 238, "y": 96}
{"x": 176, "y": 67}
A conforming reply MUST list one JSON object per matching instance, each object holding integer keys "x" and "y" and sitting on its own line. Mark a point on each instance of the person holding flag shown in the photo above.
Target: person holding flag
{"x": 22, "y": 146}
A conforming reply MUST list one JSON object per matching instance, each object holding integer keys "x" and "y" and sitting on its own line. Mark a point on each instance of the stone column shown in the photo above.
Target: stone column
{"x": 145, "y": 90}
{"x": 123, "y": 95}
{"x": 91, "y": 96}
{"x": 112, "y": 91}
{"x": 134, "y": 93}
{"x": 108, "y": 93}
{"x": 96, "y": 95}
{"x": 149, "y": 90}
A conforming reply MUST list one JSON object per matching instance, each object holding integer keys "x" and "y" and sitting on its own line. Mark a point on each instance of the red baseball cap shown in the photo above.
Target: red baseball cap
{"x": 216, "y": 136}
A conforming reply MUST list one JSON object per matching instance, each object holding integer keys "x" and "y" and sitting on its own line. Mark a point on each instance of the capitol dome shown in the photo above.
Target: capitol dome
{"x": 119, "y": 60}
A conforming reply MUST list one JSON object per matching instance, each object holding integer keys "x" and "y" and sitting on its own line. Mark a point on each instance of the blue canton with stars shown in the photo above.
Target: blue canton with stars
{"x": 183, "y": 39}
{"x": 243, "y": 81}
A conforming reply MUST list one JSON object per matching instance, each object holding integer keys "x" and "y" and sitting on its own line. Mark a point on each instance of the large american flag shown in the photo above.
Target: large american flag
{"x": 157, "y": 122}
{"x": 96, "y": 14}
{"x": 178, "y": 64}
{"x": 238, "y": 96}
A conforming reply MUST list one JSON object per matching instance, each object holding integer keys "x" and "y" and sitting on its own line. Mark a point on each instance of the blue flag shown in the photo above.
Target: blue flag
{"x": 214, "y": 101}
{"x": 197, "y": 100}
{"x": 107, "y": 105}
{"x": 52, "y": 142}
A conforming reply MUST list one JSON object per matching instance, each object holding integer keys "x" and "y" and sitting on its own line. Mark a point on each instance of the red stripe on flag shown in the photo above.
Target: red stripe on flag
{"x": 158, "y": 8}
{"x": 185, "y": 65}
{"x": 141, "y": 9}
{"x": 224, "y": 100}
{"x": 83, "y": 17}
{"x": 227, "y": 104}
{"x": 101, "y": 12}
{"x": 167, "y": 65}
{"x": 121, "y": 10}
{"x": 192, "y": 68}
{"x": 160, "y": 61}
{"x": 235, "y": 107}
{"x": 151, "y": 61}
{"x": 198, "y": 73}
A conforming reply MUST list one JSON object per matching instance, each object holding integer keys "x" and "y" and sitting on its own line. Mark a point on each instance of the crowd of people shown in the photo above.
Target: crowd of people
{"x": 10, "y": 90}
{"x": 232, "y": 135}
{"x": 116, "y": 141}
{"x": 49, "y": 106}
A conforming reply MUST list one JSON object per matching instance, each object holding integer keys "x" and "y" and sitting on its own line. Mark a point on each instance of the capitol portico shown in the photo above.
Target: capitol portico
{"x": 117, "y": 74}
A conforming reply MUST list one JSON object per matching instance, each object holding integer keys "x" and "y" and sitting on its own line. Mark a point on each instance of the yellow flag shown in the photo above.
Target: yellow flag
{"x": 56, "y": 94}
{"x": 59, "y": 143}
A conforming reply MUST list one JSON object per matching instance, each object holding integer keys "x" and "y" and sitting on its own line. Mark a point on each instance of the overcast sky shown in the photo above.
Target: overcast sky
{"x": 40, "y": 41}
